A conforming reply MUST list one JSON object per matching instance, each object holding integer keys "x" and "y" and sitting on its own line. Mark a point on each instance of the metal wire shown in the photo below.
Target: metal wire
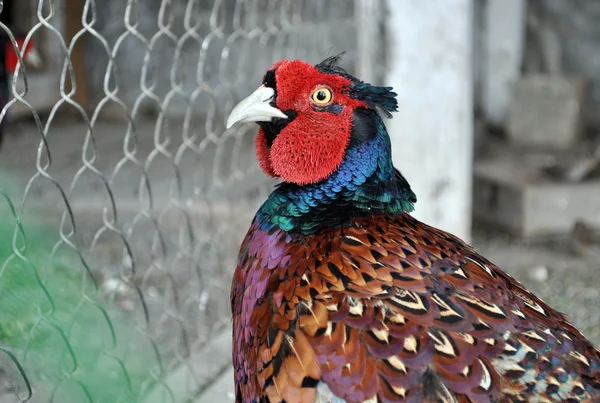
{"x": 145, "y": 193}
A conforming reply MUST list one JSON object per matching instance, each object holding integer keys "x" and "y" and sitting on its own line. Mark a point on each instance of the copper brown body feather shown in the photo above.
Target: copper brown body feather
{"x": 389, "y": 309}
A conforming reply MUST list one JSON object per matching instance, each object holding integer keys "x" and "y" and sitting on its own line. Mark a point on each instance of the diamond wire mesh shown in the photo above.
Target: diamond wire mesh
{"x": 143, "y": 197}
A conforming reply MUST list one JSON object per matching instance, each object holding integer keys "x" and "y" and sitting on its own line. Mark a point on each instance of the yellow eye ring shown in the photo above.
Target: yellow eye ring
{"x": 322, "y": 96}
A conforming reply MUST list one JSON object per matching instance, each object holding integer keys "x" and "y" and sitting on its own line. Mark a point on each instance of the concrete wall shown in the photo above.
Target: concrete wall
{"x": 430, "y": 45}
{"x": 575, "y": 25}
{"x": 501, "y": 56}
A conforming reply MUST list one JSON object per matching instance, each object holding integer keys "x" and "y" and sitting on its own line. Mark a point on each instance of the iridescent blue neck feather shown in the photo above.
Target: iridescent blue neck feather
{"x": 365, "y": 183}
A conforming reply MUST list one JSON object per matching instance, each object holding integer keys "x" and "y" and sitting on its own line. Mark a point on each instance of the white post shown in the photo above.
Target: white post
{"x": 503, "y": 54}
{"x": 430, "y": 45}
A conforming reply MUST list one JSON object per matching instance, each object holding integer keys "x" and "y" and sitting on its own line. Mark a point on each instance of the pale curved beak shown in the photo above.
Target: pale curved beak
{"x": 255, "y": 108}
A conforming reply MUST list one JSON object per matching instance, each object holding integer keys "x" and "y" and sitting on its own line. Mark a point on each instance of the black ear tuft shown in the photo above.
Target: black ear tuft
{"x": 381, "y": 98}
{"x": 330, "y": 62}
{"x": 330, "y": 66}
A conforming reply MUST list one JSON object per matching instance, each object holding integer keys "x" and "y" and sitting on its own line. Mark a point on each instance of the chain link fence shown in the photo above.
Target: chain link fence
{"x": 124, "y": 199}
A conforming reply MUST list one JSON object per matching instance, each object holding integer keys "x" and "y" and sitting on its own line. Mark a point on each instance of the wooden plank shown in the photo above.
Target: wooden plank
{"x": 74, "y": 10}
{"x": 554, "y": 209}
{"x": 514, "y": 197}
{"x": 430, "y": 53}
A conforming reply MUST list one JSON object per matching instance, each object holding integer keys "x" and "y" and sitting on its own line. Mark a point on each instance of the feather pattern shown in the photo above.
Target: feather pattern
{"x": 389, "y": 309}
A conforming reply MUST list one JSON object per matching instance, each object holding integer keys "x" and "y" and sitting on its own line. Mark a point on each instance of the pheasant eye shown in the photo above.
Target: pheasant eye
{"x": 321, "y": 96}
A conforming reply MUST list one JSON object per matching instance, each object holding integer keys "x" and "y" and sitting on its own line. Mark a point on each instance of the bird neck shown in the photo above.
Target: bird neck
{"x": 364, "y": 184}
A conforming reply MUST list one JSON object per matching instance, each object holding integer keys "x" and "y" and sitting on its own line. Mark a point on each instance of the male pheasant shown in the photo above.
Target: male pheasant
{"x": 341, "y": 296}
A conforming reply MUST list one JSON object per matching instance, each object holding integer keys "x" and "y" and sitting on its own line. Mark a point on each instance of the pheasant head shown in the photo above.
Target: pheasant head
{"x": 321, "y": 131}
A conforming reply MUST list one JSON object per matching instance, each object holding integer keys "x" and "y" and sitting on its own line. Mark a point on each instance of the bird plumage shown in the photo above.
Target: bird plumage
{"x": 341, "y": 296}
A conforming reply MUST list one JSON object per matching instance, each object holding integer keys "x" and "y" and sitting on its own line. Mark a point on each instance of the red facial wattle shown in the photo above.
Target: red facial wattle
{"x": 308, "y": 150}
{"x": 313, "y": 144}
{"x": 262, "y": 154}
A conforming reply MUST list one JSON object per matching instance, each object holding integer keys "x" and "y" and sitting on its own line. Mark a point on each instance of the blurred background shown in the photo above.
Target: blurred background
{"x": 124, "y": 199}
